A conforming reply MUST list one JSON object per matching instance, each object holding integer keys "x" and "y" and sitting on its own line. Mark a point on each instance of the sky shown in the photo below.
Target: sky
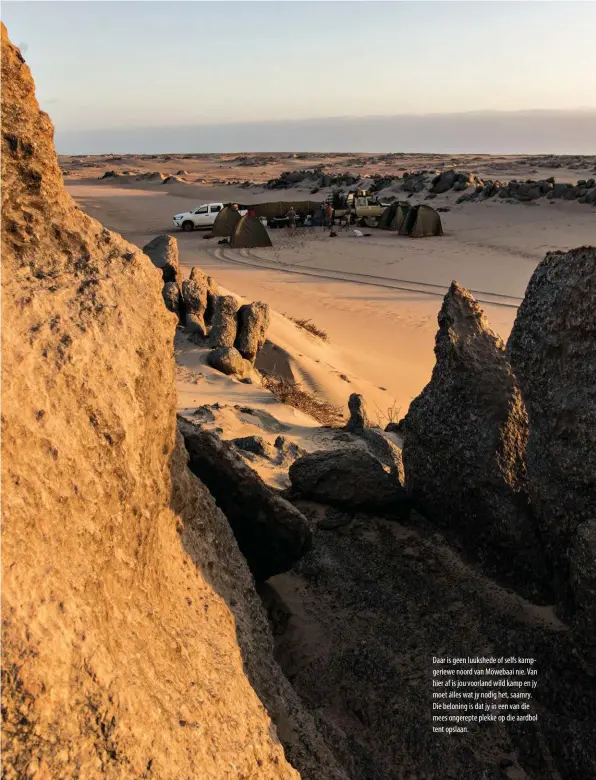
{"x": 116, "y": 76}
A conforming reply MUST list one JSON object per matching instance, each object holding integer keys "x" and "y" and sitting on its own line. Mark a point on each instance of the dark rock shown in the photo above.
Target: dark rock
{"x": 271, "y": 533}
{"x": 254, "y": 444}
{"x": 464, "y": 448}
{"x": 358, "y": 418}
{"x": 386, "y": 451}
{"x": 550, "y": 180}
{"x": 444, "y": 182}
{"x": 395, "y": 427}
{"x": 288, "y": 451}
{"x": 225, "y": 321}
{"x": 163, "y": 251}
{"x": 552, "y": 347}
{"x": 229, "y": 361}
{"x": 349, "y": 477}
{"x": 253, "y": 322}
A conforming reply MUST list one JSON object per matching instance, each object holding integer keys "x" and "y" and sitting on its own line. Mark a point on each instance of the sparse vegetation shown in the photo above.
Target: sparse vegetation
{"x": 392, "y": 415}
{"x": 289, "y": 392}
{"x": 311, "y": 328}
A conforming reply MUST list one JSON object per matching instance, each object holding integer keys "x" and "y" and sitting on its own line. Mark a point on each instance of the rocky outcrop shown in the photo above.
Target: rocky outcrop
{"x": 552, "y": 347}
{"x": 229, "y": 361}
{"x": 271, "y": 533}
{"x": 171, "y": 297}
{"x": 358, "y": 417}
{"x": 253, "y": 322}
{"x": 225, "y": 322}
{"x": 464, "y": 450}
{"x": 349, "y": 477}
{"x": 120, "y": 654}
{"x": 163, "y": 251}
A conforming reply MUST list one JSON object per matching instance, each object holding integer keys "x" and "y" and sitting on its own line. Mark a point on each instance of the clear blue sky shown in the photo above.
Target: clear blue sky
{"x": 111, "y": 65}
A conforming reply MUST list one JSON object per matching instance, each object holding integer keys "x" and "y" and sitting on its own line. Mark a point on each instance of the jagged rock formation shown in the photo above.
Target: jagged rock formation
{"x": 163, "y": 251}
{"x": 552, "y": 349}
{"x": 120, "y": 656}
{"x": 464, "y": 449}
{"x": 350, "y": 477}
{"x": 253, "y": 322}
{"x": 225, "y": 322}
{"x": 171, "y": 297}
{"x": 271, "y": 533}
{"x": 358, "y": 418}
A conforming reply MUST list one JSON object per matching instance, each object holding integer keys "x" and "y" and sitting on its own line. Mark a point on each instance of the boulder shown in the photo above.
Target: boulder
{"x": 163, "y": 251}
{"x": 349, "y": 477}
{"x": 229, "y": 361}
{"x": 225, "y": 321}
{"x": 358, "y": 418}
{"x": 194, "y": 295}
{"x": 464, "y": 448}
{"x": 444, "y": 182}
{"x": 171, "y": 297}
{"x": 255, "y": 445}
{"x": 271, "y": 533}
{"x": 253, "y": 322}
{"x": 551, "y": 348}
{"x": 386, "y": 451}
{"x": 198, "y": 293}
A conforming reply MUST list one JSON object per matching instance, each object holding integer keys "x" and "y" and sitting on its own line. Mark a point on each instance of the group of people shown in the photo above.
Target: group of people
{"x": 325, "y": 216}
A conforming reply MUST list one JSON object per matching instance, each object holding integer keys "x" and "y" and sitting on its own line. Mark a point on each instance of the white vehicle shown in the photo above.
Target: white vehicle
{"x": 202, "y": 217}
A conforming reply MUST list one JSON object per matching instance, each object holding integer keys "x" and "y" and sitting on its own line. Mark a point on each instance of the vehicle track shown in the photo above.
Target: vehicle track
{"x": 423, "y": 288}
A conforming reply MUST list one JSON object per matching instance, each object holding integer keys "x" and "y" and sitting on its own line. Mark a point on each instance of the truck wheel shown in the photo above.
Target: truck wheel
{"x": 188, "y": 225}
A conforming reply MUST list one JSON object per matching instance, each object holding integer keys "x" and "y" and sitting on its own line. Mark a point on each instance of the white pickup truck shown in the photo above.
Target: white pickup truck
{"x": 202, "y": 217}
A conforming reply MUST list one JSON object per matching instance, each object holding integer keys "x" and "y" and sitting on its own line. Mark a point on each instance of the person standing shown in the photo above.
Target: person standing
{"x": 291, "y": 217}
{"x": 329, "y": 215}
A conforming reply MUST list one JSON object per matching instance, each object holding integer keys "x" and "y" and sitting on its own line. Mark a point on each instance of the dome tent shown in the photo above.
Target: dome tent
{"x": 225, "y": 222}
{"x": 421, "y": 221}
{"x": 249, "y": 232}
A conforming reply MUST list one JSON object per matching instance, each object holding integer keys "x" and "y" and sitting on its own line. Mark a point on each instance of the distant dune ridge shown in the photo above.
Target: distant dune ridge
{"x": 490, "y": 132}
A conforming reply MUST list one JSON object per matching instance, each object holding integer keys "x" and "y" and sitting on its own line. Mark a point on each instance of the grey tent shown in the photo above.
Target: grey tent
{"x": 249, "y": 232}
{"x": 421, "y": 221}
{"x": 393, "y": 216}
{"x": 225, "y": 222}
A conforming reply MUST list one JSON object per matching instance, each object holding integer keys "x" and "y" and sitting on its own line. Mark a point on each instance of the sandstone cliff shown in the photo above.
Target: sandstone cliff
{"x": 121, "y": 657}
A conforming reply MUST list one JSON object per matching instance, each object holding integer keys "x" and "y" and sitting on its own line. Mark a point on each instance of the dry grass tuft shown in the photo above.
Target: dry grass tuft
{"x": 289, "y": 392}
{"x": 311, "y": 328}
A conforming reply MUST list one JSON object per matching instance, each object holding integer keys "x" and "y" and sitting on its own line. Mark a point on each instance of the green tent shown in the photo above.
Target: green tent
{"x": 249, "y": 232}
{"x": 393, "y": 216}
{"x": 225, "y": 222}
{"x": 421, "y": 221}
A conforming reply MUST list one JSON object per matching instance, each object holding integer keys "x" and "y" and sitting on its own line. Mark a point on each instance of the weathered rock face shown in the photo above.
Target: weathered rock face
{"x": 358, "y": 418}
{"x": 552, "y": 347}
{"x": 229, "y": 361}
{"x": 350, "y": 477}
{"x": 171, "y": 297}
{"x": 225, "y": 322}
{"x": 271, "y": 533}
{"x": 253, "y": 322}
{"x": 465, "y": 439}
{"x": 163, "y": 251}
{"x": 120, "y": 656}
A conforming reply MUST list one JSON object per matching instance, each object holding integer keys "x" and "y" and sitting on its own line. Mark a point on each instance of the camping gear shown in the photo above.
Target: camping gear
{"x": 225, "y": 221}
{"x": 249, "y": 232}
{"x": 393, "y": 216}
{"x": 421, "y": 221}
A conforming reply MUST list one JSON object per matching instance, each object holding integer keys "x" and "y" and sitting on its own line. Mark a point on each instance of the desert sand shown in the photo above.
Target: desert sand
{"x": 377, "y": 297}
